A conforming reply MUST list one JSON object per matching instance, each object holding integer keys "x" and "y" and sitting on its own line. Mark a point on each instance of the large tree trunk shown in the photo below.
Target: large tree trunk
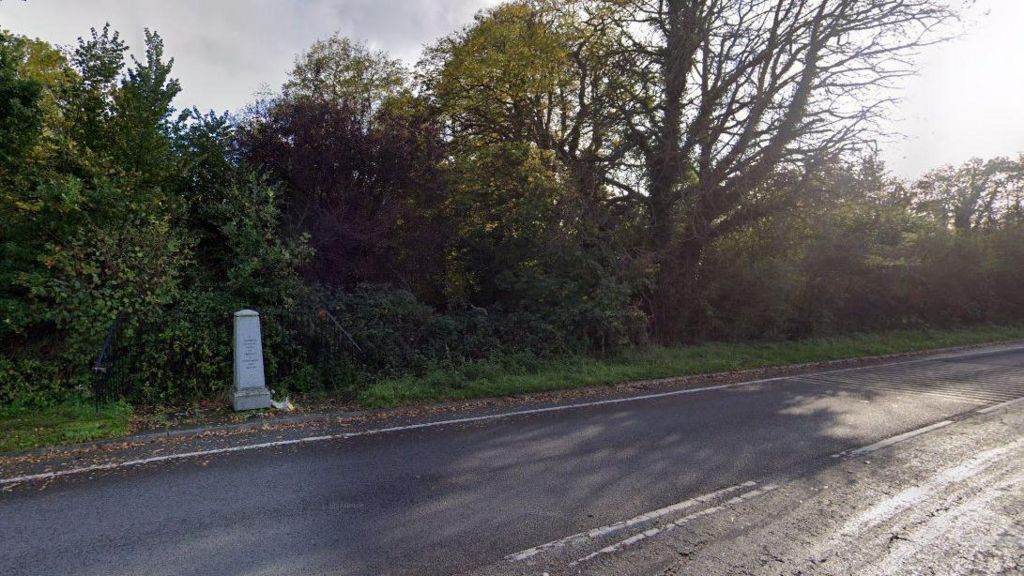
{"x": 727, "y": 92}
{"x": 676, "y": 298}
{"x": 666, "y": 165}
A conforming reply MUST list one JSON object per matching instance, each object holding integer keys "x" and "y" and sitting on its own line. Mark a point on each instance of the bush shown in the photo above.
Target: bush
{"x": 389, "y": 330}
{"x": 29, "y": 383}
{"x": 179, "y": 353}
{"x": 99, "y": 273}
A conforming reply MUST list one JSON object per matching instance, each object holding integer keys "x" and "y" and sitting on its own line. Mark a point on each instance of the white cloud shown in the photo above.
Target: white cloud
{"x": 225, "y": 50}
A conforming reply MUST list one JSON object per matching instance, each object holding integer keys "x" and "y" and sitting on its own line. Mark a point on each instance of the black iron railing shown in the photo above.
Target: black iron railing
{"x": 102, "y": 385}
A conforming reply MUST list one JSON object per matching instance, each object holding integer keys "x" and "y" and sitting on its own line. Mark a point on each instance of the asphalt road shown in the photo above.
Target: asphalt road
{"x": 456, "y": 498}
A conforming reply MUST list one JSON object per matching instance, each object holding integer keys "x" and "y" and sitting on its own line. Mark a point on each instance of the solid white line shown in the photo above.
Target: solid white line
{"x": 605, "y": 530}
{"x": 895, "y": 439}
{"x": 164, "y": 458}
{"x": 1000, "y": 406}
{"x": 214, "y": 451}
{"x": 673, "y": 525}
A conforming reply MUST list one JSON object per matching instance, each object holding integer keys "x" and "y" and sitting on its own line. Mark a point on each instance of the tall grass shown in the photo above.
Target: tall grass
{"x": 517, "y": 375}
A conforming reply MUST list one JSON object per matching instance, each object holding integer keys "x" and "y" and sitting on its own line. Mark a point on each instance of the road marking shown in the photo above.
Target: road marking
{"x": 881, "y": 510}
{"x": 1000, "y": 406}
{"x": 914, "y": 392}
{"x": 342, "y": 436}
{"x": 914, "y": 495}
{"x": 675, "y": 524}
{"x": 605, "y": 530}
{"x": 886, "y": 510}
{"x": 972, "y": 512}
{"x": 893, "y": 440}
{"x": 164, "y": 458}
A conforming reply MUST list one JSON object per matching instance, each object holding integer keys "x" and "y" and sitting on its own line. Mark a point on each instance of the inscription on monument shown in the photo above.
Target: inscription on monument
{"x": 252, "y": 360}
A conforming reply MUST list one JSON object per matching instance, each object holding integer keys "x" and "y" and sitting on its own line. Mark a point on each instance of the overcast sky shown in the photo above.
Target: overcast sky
{"x": 966, "y": 101}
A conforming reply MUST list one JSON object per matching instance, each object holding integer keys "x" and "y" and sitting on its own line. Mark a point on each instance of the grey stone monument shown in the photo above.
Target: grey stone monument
{"x": 250, "y": 388}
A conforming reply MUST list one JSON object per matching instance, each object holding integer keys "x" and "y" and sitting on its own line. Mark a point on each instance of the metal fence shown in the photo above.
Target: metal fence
{"x": 104, "y": 387}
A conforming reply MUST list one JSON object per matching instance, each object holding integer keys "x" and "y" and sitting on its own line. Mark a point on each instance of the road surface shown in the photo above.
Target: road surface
{"x": 859, "y": 471}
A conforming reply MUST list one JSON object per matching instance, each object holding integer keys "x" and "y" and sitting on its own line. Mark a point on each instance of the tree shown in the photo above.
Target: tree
{"x": 344, "y": 72}
{"x": 21, "y": 124}
{"x": 21, "y": 117}
{"x": 86, "y": 101}
{"x": 722, "y": 94}
{"x": 532, "y": 71}
{"x": 524, "y": 93}
{"x": 978, "y": 194}
{"x": 89, "y": 228}
{"x": 143, "y": 124}
{"x": 367, "y": 195}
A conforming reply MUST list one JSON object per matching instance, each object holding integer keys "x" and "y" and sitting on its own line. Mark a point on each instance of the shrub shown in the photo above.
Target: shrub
{"x": 29, "y": 383}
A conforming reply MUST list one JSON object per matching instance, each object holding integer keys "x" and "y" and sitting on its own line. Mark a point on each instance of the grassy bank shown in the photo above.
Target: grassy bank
{"x": 66, "y": 423}
{"x": 80, "y": 421}
{"x": 521, "y": 375}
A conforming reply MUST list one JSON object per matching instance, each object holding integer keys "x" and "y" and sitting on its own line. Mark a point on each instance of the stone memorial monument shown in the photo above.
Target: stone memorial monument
{"x": 249, "y": 391}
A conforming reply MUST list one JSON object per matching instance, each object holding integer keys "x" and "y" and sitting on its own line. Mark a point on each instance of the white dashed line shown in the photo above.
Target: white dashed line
{"x": 673, "y": 525}
{"x": 1000, "y": 406}
{"x": 893, "y": 440}
{"x": 610, "y": 528}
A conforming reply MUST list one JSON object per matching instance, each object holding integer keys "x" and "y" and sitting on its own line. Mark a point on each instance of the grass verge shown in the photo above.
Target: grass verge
{"x": 519, "y": 375}
{"x": 66, "y": 423}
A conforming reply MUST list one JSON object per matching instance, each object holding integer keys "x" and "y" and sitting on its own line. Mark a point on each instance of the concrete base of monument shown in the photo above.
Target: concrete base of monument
{"x": 250, "y": 399}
